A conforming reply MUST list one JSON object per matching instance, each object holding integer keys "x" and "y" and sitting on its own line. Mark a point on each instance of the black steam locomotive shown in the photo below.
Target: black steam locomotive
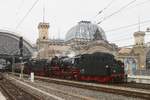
{"x": 99, "y": 67}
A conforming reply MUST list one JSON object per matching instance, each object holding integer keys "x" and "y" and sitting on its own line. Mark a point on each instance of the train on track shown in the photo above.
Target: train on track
{"x": 98, "y": 67}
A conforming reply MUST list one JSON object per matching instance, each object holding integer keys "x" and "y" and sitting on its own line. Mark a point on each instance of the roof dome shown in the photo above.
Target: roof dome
{"x": 86, "y": 30}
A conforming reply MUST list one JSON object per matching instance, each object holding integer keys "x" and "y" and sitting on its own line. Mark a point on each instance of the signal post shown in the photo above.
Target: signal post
{"x": 21, "y": 55}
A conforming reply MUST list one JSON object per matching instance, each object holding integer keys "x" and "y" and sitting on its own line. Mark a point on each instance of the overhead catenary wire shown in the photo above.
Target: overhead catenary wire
{"x": 106, "y": 7}
{"x": 127, "y": 38}
{"x": 122, "y": 39}
{"x": 141, "y": 3}
{"x": 131, "y": 25}
{"x": 21, "y": 21}
{"x": 122, "y": 8}
{"x": 103, "y": 9}
{"x": 124, "y": 44}
{"x": 124, "y": 35}
{"x": 128, "y": 26}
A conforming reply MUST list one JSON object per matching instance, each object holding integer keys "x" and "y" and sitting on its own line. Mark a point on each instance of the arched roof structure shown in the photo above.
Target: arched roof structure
{"x": 9, "y": 44}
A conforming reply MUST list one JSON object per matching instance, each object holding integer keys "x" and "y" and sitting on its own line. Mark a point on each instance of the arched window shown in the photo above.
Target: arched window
{"x": 44, "y": 37}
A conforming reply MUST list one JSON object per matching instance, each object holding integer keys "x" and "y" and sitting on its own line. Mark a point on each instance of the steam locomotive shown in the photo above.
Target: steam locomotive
{"x": 98, "y": 67}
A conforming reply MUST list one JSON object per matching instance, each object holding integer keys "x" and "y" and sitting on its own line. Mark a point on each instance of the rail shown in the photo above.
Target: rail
{"x": 122, "y": 90}
{"x": 13, "y": 92}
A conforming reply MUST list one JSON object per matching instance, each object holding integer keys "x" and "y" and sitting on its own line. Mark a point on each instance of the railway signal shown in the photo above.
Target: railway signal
{"x": 21, "y": 46}
{"x": 21, "y": 54}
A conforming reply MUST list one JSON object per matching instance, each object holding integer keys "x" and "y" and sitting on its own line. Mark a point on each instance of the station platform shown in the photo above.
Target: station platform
{"x": 139, "y": 79}
{"x": 53, "y": 91}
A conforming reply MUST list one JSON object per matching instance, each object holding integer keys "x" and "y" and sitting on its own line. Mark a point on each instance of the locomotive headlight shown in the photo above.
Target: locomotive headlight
{"x": 114, "y": 71}
{"x": 106, "y": 66}
{"x": 82, "y": 71}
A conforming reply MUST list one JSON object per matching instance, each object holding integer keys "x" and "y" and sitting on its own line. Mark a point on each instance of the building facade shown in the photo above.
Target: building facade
{"x": 136, "y": 58}
{"x": 85, "y": 37}
{"x": 42, "y": 41}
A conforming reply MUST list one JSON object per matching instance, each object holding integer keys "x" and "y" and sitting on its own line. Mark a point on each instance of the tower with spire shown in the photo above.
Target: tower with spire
{"x": 139, "y": 47}
{"x": 43, "y": 39}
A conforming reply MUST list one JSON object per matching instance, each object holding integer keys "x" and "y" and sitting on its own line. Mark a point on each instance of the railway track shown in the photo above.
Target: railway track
{"x": 129, "y": 84}
{"x": 133, "y": 85}
{"x": 64, "y": 92}
{"x": 12, "y": 92}
{"x": 131, "y": 90}
{"x": 126, "y": 91}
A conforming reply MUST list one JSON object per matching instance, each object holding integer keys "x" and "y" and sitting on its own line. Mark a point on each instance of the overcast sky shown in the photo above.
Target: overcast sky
{"x": 64, "y": 14}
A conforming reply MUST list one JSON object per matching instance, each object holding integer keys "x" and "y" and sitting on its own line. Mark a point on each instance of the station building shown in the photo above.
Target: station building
{"x": 86, "y": 37}
{"x": 136, "y": 58}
